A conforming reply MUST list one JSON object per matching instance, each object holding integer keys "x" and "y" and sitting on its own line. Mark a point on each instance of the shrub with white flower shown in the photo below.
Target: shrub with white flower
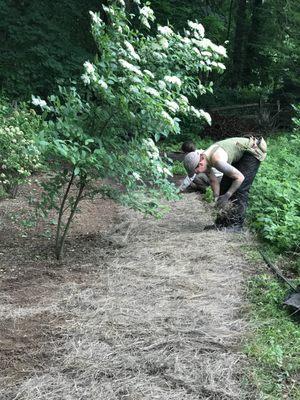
{"x": 19, "y": 154}
{"x": 141, "y": 85}
{"x": 19, "y": 157}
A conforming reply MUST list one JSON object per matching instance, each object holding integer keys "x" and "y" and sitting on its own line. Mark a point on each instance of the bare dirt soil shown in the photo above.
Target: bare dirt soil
{"x": 140, "y": 308}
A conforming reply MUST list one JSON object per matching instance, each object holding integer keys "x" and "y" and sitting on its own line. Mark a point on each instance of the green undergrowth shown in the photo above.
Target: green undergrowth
{"x": 274, "y": 210}
{"x": 174, "y": 143}
{"x": 274, "y": 344}
{"x": 178, "y": 168}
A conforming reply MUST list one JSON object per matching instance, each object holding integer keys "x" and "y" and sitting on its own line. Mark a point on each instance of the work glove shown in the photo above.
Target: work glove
{"x": 186, "y": 183}
{"x": 222, "y": 200}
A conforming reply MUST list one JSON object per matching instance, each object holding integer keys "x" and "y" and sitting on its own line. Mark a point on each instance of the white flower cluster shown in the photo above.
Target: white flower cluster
{"x": 108, "y": 10}
{"x": 172, "y": 106}
{"x": 159, "y": 55}
{"x": 137, "y": 176}
{"x": 85, "y": 79}
{"x": 37, "y": 101}
{"x": 149, "y": 73}
{"x": 146, "y": 15}
{"x": 183, "y": 102}
{"x": 165, "y": 30}
{"x": 184, "y": 99}
{"x": 167, "y": 117}
{"x": 201, "y": 114}
{"x": 151, "y": 91}
{"x": 173, "y": 79}
{"x": 152, "y": 149}
{"x": 102, "y": 83}
{"x": 186, "y": 40}
{"x": 89, "y": 68}
{"x": 164, "y": 43}
{"x": 133, "y": 68}
{"x": 147, "y": 12}
{"x": 208, "y": 44}
{"x": 90, "y": 75}
{"x": 96, "y": 18}
{"x": 163, "y": 170}
{"x": 131, "y": 51}
{"x": 161, "y": 85}
{"x": 218, "y": 65}
{"x": 197, "y": 28}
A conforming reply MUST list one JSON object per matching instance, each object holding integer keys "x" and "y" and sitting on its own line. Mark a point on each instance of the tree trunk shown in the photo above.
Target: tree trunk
{"x": 61, "y": 241}
{"x": 252, "y": 49}
{"x": 229, "y": 19}
{"x": 239, "y": 43}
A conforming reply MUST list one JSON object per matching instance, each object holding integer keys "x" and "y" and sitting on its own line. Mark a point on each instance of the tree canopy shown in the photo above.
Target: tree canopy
{"x": 45, "y": 42}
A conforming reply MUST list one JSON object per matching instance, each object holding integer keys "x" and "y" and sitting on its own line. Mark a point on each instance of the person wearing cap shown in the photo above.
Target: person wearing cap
{"x": 238, "y": 158}
{"x": 198, "y": 182}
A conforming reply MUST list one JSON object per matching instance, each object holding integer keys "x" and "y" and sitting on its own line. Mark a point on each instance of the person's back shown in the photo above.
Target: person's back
{"x": 236, "y": 147}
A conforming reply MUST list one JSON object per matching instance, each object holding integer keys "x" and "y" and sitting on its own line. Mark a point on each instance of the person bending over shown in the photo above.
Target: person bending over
{"x": 238, "y": 158}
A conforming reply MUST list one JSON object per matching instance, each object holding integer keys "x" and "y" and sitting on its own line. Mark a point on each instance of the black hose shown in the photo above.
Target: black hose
{"x": 277, "y": 272}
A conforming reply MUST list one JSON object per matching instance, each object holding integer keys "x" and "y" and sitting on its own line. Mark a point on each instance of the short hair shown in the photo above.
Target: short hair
{"x": 188, "y": 146}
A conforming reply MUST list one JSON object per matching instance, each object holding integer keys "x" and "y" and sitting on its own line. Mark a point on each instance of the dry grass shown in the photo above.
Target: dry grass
{"x": 155, "y": 315}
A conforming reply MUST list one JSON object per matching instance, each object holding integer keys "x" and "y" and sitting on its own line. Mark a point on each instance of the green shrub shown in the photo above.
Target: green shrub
{"x": 178, "y": 168}
{"x": 19, "y": 155}
{"x": 275, "y": 196}
{"x": 137, "y": 94}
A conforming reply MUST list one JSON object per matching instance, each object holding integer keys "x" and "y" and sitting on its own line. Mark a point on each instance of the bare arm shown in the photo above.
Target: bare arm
{"x": 233, "y": 173}
{"x": 214, "y": 183}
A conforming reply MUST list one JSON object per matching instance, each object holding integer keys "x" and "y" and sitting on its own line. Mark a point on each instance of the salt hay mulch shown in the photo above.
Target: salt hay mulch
{"x": 153, "y": 312}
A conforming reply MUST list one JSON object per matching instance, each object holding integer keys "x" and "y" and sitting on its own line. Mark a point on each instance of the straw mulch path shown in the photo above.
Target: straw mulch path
{"x": 151, "y": 309}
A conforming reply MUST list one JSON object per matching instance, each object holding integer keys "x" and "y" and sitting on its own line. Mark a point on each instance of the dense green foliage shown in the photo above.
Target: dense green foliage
{"x": 274, "y": 345}
{"x": 262, "y": 56}
{"x": 275, "y": 196}
{"x": 41, "y": 42}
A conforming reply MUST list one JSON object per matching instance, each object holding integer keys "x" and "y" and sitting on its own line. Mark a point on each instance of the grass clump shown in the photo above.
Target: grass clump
{"x": 275, "y": 344}
{"x": 178, "y": 168}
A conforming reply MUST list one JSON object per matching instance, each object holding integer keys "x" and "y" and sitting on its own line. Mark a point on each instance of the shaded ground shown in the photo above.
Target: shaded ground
{"x": 140, "y": 308}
